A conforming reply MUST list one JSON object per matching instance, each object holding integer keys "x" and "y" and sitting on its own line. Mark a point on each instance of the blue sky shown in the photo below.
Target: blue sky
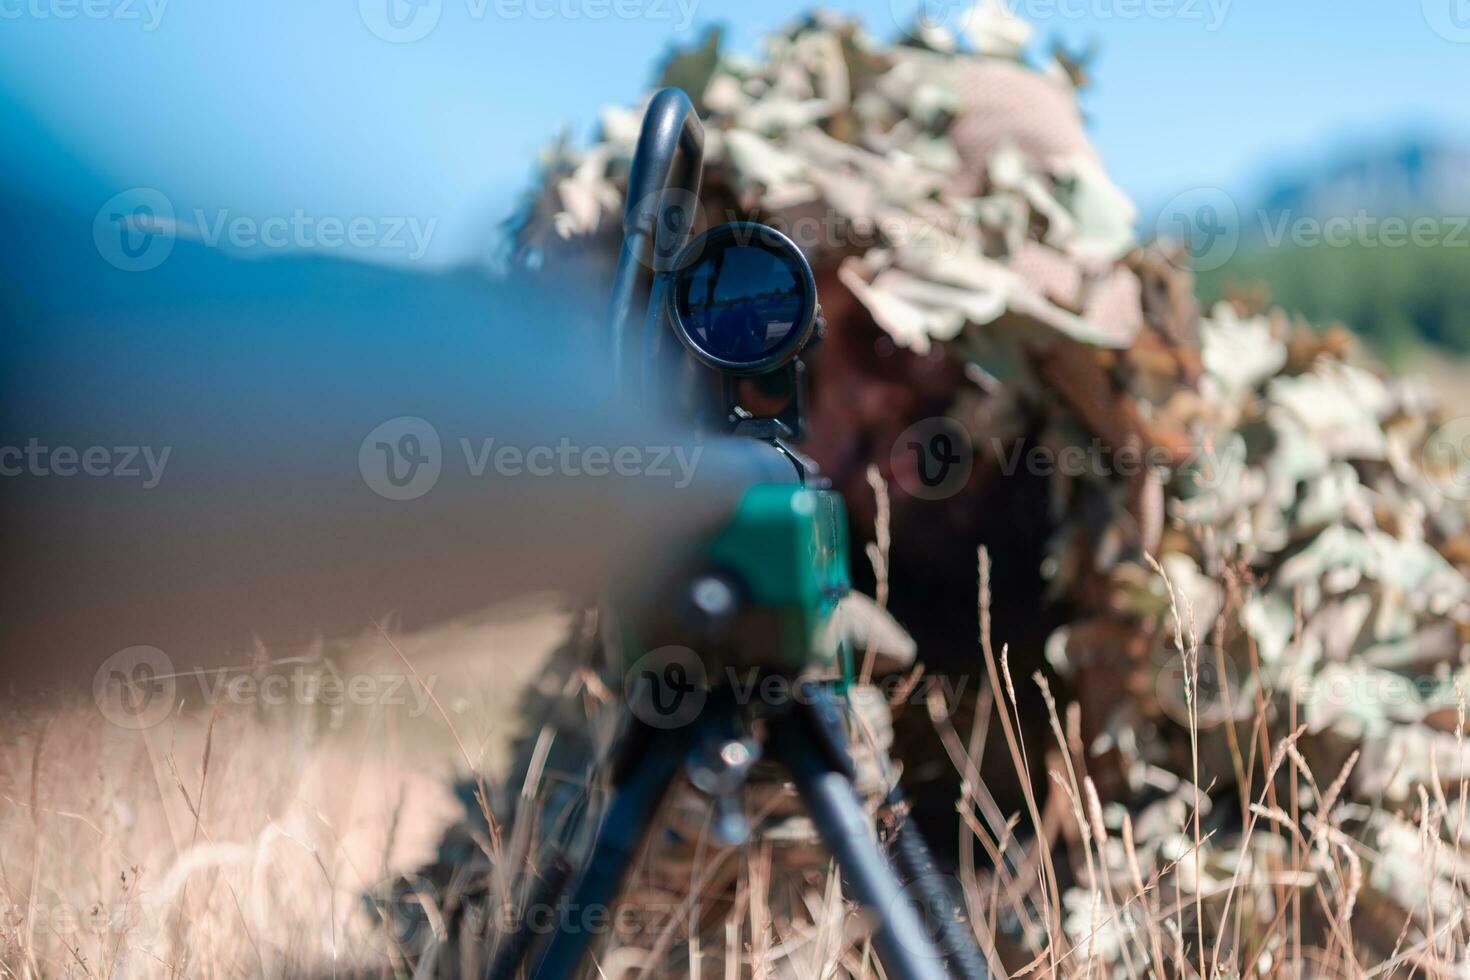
{"x": 269, "y": 107}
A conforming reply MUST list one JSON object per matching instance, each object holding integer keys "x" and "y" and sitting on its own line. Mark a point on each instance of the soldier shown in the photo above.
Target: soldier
{"x": 1197, "y": 524}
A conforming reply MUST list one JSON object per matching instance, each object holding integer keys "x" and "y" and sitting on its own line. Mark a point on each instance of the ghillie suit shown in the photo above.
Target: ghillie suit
{"x": 1234, "y": 548}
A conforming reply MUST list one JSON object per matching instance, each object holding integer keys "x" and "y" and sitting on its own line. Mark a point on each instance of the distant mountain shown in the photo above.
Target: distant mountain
{"x": 1400, "y": 290}
{"x": 1413, "y": 176}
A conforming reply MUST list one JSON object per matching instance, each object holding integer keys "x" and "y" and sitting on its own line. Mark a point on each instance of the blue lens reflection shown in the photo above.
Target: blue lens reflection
{"x": 740, "y": 303}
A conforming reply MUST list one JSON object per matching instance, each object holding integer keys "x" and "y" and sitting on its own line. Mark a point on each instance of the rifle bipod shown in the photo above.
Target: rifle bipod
{"x": 804, "y": 732}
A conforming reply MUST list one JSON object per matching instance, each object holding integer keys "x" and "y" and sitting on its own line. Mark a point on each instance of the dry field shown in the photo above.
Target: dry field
{"x": 238, "y": 837}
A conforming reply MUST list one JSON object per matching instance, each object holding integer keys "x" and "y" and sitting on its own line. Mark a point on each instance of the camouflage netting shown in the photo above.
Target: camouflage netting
{"x": 1257, "y": 536}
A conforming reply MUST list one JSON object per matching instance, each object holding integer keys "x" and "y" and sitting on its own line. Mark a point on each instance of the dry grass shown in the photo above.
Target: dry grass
{"x": 1279, "y": 892}
{"x": 239, "y": 840}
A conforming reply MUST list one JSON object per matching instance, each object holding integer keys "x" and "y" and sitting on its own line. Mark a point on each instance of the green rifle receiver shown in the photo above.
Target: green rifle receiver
{"x": 760, "y": 592}
{"x": 741, "y": 299}
{"x": 789, "y": 544}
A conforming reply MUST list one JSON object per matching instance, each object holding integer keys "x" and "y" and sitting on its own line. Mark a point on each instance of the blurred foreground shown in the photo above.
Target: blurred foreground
{"x": 244, "y": 827}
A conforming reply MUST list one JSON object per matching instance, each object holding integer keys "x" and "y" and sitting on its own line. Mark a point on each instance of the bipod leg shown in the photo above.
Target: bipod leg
{"x": 810, "y": 741}
{"x": 646, "y": 762}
